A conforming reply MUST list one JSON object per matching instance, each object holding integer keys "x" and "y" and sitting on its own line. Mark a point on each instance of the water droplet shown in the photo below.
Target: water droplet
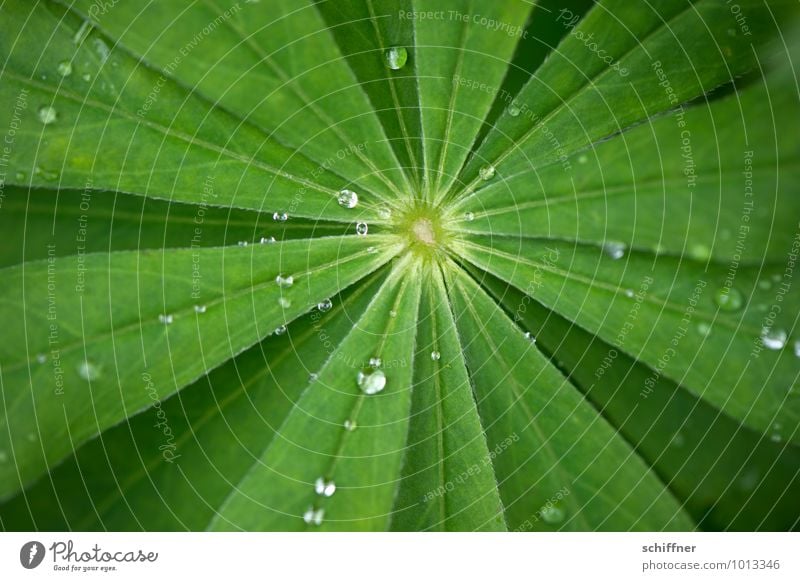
{"x": 324, "y": 487}
{"x": 773, "y": 338}
{"x": 3, "y": 457}
{"x": 529, "y": 336}
{"x": 86, "y": 77}
{"x": 614, "y": 250}
{"x": 242, "y": 242}
{"x": 348, "y": 199}
{"x": 583, "y": 158}
{"x": 700, "y": 252}
{"x": 385, "y": 213}
{"x": 325, "y": 306}
{"x": 704, "y": 329}
{"x": 88, "y": 371}
{"x": 776, "y": 437}
{"x": 375, "y": 362}
{"x": 200, "y": 309}
{"x": 469, "y": 216}
{"x": 435, "y": 355}
{"x": 797, "y": 347}
{"x": 313, "y": 377}
{"x": 64, "y": 68}
{"x": 372, "y": 250}
{"x": 629, "y": 293}
{"x": 41, "y": 358}
{"x": 350, "y": 425}
{"x": 267, "y": 240}
{"x": 513, "y": 109}
{"x": 20, "y": 176}
{"x": 101, "y": 48}
{"x": 284, "y": 281}
{"x": 280, "y": 330}
{"x": 32, "y": 437}
{"x": 165, "y": 319}
{"x": 487, "y": 172}
{"x": 552, "y": 515}
{"x": 362, "y": 228}
{"x": 728, "y": 299}
{"x": 47, "y": 114}
{"x": 393, "y": 314}
{"x": 371, "y": 381}
{"x": 314, "y": 516}
{"x": 396, "y": 57}
{"x": 280, "y": 216}
{"x": 764, "y": 284}
{"x": 284, "y": 302}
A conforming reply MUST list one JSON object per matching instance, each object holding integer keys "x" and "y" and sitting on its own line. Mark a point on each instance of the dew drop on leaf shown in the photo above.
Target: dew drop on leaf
{"x": 396, "y": 57}
{"x": 614, "y": 250}
{"x": 324, "y": 487}
{"x": 384, "y": 213}
{"x": 700, "y": 252}
{"x": 797, "y": 348}
{"x": 314, "y": 516}
{"x": 3, "y": 457}
{"x": 88, "y": 371}
{"x": 372, "y": 250}
{"x": 350, "y": 425}
{"x": 371, "y": 381}
{"x": 45, "y": 174}
{"x": 312, "y": 377}
{"x": 529, "y": 336}
{"x": 552, "y": 515}
{"x": 200, "y": 309}
{"x": 47, "y": 114}
{"x": 267, "y": 240}
{"x": 773, "y": 338}
{"x": 280, "y": 330}
{"x": 469, "y": 217}
{"x": 284, "y": 281}
{"x": 64, "y": 68}
{"x": 41, "y": 358}
{"x": 487, "y": 172}
{"x": 325, "y": 306}
{"x": 284, "y": 302}
{"x": 242, "y": 242}
{"x": 348, "y": 199}
{"x": 513, "y": 109}
{"x": 375, "y": 362}
{"x": 704, "y": 329}
{"x": 729, "y": 299}
{"x": 435, "y": 355}
{"x": 280, "y": 216}
{"x": 166, "y": 319}
{"x": 362, "y": 228}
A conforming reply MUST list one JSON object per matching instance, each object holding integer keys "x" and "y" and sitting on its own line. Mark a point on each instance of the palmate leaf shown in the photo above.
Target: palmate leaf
{"x": 562, "y": 297}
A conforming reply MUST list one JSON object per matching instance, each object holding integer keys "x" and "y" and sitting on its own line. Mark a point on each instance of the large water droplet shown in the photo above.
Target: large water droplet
{"x": 324, "y": 487}
{"x": 88, "y": 371}
{"x": 729, "y": 299}
{"x": 487, "y": 172}
{"x": 47, "y": 114}
{"x": 614, "y": 250}
{"x": 284, "y": 281}
{"x": 774, "y": 338}
{"x": 362, "y": 228}
{"x": 348, "y": 199}
{"x": 396, "y": 57}
{"x": 325, "y": 306}
{"x": 64, "y": 68}
{"x": 350, "y": 425}
{"x": 314, "y": 516}
{"x": 371, "y": 381}
{"x": 552, "y": 515}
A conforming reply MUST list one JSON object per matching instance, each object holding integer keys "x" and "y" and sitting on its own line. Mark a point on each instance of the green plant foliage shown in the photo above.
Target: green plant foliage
{"x": 383, "y": 265}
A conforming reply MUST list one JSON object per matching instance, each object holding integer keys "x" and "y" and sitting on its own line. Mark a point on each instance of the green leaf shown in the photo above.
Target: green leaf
{"x": 448, "y": 480}
{"x": 77, "y": 357}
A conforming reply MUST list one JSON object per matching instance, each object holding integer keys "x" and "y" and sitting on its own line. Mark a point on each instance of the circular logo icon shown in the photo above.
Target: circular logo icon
{"x": 31, "y": 554}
